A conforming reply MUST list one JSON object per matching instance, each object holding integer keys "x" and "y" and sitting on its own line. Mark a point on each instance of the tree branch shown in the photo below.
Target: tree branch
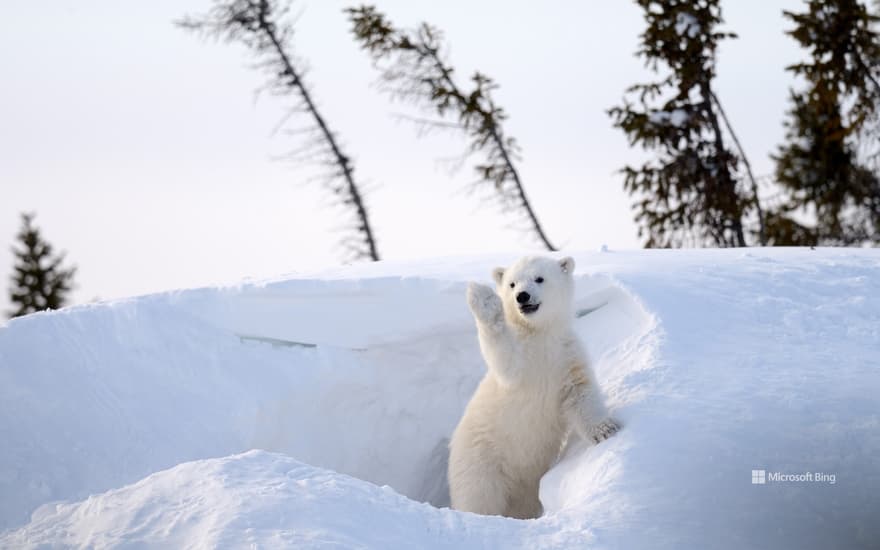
{"x": 762, "y": 234}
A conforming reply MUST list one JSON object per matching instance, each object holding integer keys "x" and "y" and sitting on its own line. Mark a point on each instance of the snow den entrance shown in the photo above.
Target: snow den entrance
{"x": 366, "y": 377}
{"x": 383, "y": 411}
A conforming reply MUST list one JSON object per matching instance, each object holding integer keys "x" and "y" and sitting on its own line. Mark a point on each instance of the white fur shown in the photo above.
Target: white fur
{"x": 538, "y": 387}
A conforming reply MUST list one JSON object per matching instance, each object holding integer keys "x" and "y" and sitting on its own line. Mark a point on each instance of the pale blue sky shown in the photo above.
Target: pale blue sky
{"x": 147, "y": 157}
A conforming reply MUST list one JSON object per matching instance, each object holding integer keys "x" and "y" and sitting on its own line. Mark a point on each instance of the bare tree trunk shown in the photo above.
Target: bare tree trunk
{"x": 727, "y": 180}
{"x": 341, "y": 159}
{"x": 762, "y": 233}
{"x": 268, "y": 28}
{"x": 527, "y": 205}
{"x": 499, "y": 142}
{"x": 260, "y": 25}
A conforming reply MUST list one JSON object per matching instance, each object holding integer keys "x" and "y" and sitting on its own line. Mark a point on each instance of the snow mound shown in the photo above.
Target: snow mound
{"x": 719, "y": 363}
{"x": 259, "y": 499}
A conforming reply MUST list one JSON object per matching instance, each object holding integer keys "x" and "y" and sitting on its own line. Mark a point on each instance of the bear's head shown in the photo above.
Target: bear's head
{"x": 537, "y": 291}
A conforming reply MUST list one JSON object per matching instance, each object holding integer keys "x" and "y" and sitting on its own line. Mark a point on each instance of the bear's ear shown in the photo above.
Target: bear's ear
{"x": 497, "y": 275}
{"x": 567, "y": 264}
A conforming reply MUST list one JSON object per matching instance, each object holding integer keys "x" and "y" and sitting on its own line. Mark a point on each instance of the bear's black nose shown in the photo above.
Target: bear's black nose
{"x": 522, "y": 297}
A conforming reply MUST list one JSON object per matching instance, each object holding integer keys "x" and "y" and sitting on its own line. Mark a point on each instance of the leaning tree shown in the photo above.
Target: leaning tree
{"x": 413, "y": 67}
{"x": 689, "y": 192}
{"x": 262, "y": 26}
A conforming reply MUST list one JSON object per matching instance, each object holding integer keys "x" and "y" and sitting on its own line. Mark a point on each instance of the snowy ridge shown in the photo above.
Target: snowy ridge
{"x": 264, "y": 499}
{"x": 717, "y": 362}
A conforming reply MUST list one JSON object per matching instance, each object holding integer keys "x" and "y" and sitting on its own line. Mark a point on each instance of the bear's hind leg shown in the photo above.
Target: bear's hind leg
{"x": 480, "y": 489}
{"x": 524, "y": 502}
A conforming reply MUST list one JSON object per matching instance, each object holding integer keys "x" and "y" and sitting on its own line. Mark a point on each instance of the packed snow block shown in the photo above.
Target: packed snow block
{"x": 103, "y": 395}
{"x": 356, "y": 314}
{"x": 746, "y": 382}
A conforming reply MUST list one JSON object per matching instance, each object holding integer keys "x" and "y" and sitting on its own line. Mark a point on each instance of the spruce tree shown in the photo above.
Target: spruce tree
{"x": 829, "y": 195}
{"x": 264, "y": 27}
{"x": 414, "y": 67}
{"x": 39, "y": 281}
{"x": 690, "y": 193}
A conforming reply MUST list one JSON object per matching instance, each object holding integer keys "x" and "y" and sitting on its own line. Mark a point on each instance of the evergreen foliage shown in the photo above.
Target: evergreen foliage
{"x": 39, "y": 281}
{"x": 830, "y": 196}
{"x": 690, "y": 192}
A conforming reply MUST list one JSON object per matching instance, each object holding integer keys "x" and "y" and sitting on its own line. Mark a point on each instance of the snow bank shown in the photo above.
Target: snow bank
{"x": 718, "y": 362}
{"x": 258, "y": 499}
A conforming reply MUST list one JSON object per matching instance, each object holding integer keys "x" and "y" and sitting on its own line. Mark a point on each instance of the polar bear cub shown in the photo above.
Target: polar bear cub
{"x": 538, "y": 388}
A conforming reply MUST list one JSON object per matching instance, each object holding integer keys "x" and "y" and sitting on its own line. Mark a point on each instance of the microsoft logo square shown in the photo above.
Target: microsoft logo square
{"x": 759, "y": 477}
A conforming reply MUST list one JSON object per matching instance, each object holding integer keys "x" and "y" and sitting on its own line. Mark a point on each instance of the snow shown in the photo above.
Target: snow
{"x": 314, "y": 410}
{"x": 676, "y": 117}
{"x": 686, "y": 23}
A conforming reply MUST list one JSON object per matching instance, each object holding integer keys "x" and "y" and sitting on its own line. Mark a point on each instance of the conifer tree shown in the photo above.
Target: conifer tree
{"x": 39, "y": 281}
{"x": 690, "y": 192}
{"x": 830, "y": 196}
{"x": 262, "y": 26}
{"x": 415, "y": 68}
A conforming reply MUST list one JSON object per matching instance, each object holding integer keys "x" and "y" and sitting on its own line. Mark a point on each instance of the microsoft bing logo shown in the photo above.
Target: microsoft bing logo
{"x": 762, "y": 477}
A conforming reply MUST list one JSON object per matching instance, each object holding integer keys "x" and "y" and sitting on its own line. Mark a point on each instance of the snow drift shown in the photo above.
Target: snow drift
{"x": 719, "y": 363}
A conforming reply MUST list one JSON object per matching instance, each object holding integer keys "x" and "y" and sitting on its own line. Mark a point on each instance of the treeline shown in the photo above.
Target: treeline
{"x": 413, "y": 66}
{"x": 697, "y": 187}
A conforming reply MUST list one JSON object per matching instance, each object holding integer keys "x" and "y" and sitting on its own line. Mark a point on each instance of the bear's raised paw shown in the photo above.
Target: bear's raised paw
{"x": 484, "y": 303}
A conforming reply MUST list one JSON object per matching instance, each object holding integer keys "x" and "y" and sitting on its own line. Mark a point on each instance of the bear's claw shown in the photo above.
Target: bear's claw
{"x": 603, "y": 430}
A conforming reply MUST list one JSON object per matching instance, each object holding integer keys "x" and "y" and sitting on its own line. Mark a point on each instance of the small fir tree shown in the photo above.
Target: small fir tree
{"x": 39, "y": 281}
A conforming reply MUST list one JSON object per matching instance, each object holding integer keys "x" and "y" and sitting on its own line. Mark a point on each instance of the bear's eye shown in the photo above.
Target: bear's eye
{"x": 512, "y": 285}
{"x": 539, "y": 280}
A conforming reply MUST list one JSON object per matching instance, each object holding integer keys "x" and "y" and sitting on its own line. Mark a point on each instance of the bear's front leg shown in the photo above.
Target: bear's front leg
{"x": 584, "y": 408}
{"x": 497, "y": 344}
{"x": 486, "y": 306}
